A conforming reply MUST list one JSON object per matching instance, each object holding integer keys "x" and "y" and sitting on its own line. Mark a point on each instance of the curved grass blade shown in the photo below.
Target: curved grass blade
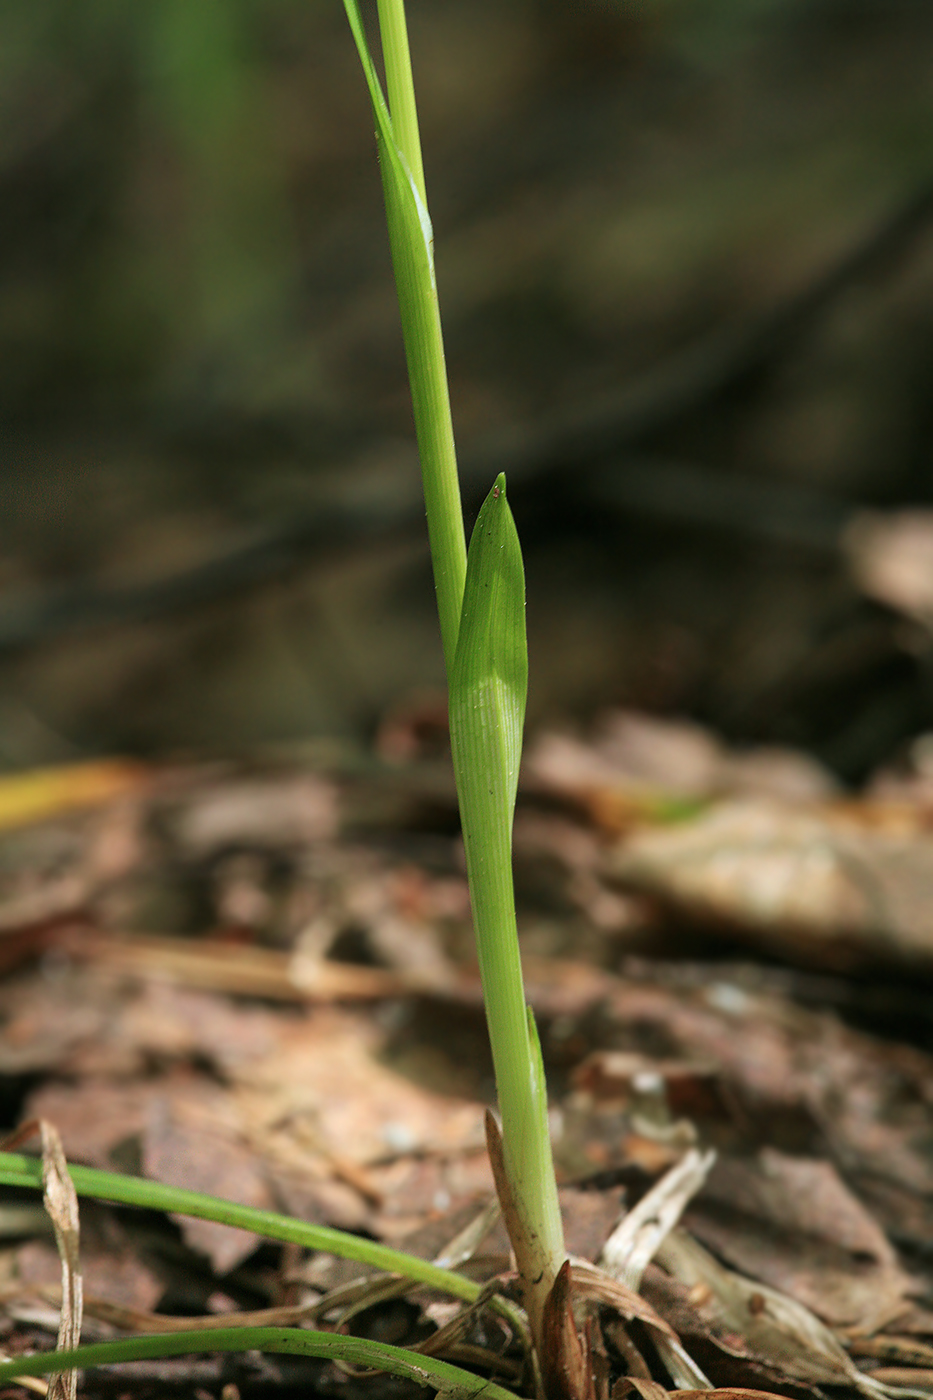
{"x": 357, "y": 1351}
{"x": 487, "y": 713}
{"x": 19, "y": 1170}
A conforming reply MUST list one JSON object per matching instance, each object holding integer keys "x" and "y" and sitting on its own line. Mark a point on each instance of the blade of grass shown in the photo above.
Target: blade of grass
{"x": 357, "y": 1351}
{"x": 411, "y": 241}
{"x": 401, "y": 85}
{"x": 19, "y": 1170}
{"x": 487, "y": 669}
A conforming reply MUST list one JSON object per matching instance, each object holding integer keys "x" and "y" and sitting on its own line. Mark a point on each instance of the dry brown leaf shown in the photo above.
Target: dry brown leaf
{"x": 594, "y": 1286}
{"x": 891, "y": 557}
{"x": 799, "y": 1077}
{"x": 130, "y": 1319}
{"x": 637, "y": 768}
{"x": 887, "y": 1348}
{"x": 633, "y": 751}
{"x": 753, "y": 1319}
{"x": 183, "y": 1147}
{"x": 641, "y": 1385}
{"x": 651, "y": 1390}
{"x": 95, "y": 1116}
{"x": 728, "y": 1392}
{"x": 324, "y": 1093}
{"x": 61, "y": 1204}
{"x": 792, "y": 1222}
{"x": 565, "y": 1363}
{"x": 307, "y": 1107}
{"x": 221, "y": 966}
{"x": 822, "y": 886}
{"x": 283, "y": 811}
{"x": 636, "y": 1239}
{"x": 907, "y": 1380}
{"x": 110, "y": 1268}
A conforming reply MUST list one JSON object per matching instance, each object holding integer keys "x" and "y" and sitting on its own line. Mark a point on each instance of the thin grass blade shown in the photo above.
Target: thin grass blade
{"x": 19, "y": 1170}
{"x": 356, "y": 1351}
{"x": 411, "y": 240}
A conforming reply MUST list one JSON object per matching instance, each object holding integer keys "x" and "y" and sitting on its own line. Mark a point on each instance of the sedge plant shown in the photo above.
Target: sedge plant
{"x": 19, "y": 1170}
{"x": 481, "y": 609}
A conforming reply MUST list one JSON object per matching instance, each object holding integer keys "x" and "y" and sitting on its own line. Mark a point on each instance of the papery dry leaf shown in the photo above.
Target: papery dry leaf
{"x": 130, "y": 1319}
{"x": 181, "y": 1149}
{"x": 891, "y": 556}
{"x": 323, "y": 1091}
{"x": 650, "y": 1390}
{"x": 281, "y": 811}
{"x": 636, "y": 1367}
{"x": 887, "y": 1348}
{"x": 635, "y": 751}
{"x": 589, "y": 1217}
{"x": 760, "y": 1321}
{"x": 110, "y": 1268}
{"x": 817, "y": 885}
{"x": 794, "y": 1224}
{"x": 638, "y": 770}
{"x": 727, "y": 1392}
{"x": 801, "y": 1077}
{"x": 594, "y": 1285}
{"x": 640, "y": 1385}
{"x": 220, "y": 966}
{"x": 305, "y": 1105}
{"x": 45, "y": 1022}
{"x": 94, "y": 1116}
{"x": 61, "y": 1204}
{"x": 565, "y": 1365}
{"x": 639, "y": 1235}
{"x": 905, "y": 1380}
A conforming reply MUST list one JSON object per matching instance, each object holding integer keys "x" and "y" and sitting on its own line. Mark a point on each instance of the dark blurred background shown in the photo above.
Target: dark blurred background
{"x": 685, "y": 255}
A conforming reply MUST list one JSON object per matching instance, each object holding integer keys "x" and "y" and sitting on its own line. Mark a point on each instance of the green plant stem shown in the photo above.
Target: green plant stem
{"x": 19, "y": 1170}
{"x": 411, "y": 243}
{"x": 487, "y": 672}
{"x": 424, "y": 346}
{"x": 401, "y": 88}
{"x": 487, "y": 713}
{"x": 424, "y": 1370}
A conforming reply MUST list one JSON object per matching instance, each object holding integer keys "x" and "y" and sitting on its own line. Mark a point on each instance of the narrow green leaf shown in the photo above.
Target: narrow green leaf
{"x": 482, "y": 619}
{"x": 412, "y": 242}
{"x": 491, "y": 667}
{"x": 487, "y": 711}
{"x": 400, "y": 82}
{"x": 17, "y": 1169}
{"x": 356, "y": 1351}
{"x": 389, "y": 148}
